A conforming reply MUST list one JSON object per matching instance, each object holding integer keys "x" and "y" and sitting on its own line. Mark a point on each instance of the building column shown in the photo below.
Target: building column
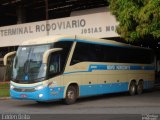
{"x": 21, "y": 14}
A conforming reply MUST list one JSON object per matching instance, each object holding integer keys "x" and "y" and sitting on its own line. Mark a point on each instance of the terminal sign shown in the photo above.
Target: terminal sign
{"x": 98, "y": 25}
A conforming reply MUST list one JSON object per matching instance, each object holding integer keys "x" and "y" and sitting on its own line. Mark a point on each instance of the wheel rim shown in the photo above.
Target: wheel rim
{"x": 71, "y": 95}
{"x": 133, "y": 89}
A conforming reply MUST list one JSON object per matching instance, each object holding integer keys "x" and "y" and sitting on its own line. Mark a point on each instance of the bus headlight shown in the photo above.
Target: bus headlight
{"x": 39, "y": 87}
{"x": 40, "y": 95}
{"x": 11, "y": 87}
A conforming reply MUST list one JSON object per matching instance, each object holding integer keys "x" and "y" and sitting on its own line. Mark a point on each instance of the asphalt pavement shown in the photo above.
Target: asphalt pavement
{"x": 110, "y": 106}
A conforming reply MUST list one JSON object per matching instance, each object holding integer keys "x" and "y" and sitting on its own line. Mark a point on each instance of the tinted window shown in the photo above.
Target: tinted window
{"x": 54, "y": 66}
{"x": 83, "y": 52}
{"x": 101, "y": 53}
{"x": 66, "y": 45}
{"x": 134, "y": 55}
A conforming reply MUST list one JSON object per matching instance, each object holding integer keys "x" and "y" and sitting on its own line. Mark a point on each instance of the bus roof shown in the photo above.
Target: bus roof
{"x": 56, "y": 38}
{"x": 46, "y": 39}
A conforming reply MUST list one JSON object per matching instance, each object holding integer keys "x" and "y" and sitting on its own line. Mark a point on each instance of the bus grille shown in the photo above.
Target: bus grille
{"x": 24, "y": 89}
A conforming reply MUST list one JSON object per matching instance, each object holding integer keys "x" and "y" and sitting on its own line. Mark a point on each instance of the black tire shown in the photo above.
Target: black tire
{"x": 132, "y": 88}
{"x": 71, "y": 95}
{"x": 140, "y": 88}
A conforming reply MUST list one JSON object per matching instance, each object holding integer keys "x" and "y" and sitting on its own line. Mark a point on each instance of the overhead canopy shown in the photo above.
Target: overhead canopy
{"x": 35, "y": 10}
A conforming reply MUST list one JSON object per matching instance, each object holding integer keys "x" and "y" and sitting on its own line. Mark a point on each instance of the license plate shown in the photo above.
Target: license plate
{"x": 23, "y": 96}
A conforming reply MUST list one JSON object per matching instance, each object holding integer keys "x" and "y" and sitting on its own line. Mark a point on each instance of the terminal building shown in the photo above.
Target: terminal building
{"x": 21, "y": 20}
{"x": 26, "y": 19}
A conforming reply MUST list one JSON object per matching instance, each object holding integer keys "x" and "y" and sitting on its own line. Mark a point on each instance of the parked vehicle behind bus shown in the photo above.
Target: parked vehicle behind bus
{"x": 68, "y": 67}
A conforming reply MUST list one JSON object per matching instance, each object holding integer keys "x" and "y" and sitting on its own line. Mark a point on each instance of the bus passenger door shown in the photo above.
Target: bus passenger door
{"x": 54, "y": 75}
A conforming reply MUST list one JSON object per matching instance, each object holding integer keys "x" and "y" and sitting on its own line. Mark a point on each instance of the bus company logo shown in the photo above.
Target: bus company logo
{"x": 109, "y": 67}
{"x": 119, "y": 67}
{"x": 26, "y": 77}
{"x": 52, "y": 84}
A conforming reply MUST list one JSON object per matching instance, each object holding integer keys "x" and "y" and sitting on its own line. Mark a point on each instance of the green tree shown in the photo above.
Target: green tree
{"x": 138, "y": 19}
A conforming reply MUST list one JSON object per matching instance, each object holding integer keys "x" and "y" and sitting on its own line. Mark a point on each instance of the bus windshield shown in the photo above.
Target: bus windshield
{"x": 28, "y": 66}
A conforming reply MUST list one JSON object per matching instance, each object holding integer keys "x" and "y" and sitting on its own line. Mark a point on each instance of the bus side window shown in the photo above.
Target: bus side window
{"x": 81, "y": 53}
{"x": 54, "y": 64}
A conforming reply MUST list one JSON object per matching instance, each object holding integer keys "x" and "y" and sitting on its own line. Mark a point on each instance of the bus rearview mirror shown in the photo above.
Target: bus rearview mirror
{"x": 5, "y": 59}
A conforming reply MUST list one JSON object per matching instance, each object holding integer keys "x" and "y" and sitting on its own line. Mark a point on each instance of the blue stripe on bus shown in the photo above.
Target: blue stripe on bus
{"x": 97, "y": 89}
{"x": 55, "y": 93}
{"x": 93, "y": 67}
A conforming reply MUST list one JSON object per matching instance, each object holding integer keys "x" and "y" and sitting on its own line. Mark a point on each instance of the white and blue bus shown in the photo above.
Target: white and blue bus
{"x": 68, "y": 67}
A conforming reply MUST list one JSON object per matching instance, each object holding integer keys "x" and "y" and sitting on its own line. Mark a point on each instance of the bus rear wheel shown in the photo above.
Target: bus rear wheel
{"x": 71, "y": 95}
{"x": 140, "y": 87}
{"x": 132, "y": 88}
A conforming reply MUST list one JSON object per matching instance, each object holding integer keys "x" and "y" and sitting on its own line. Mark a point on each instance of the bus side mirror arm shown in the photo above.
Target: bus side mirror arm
{"x": 6, "y": 57}
{"x": 48, "y": 52}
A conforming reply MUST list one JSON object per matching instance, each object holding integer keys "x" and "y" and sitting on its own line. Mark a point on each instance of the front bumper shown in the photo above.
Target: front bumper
{"x": 45, "y": 94}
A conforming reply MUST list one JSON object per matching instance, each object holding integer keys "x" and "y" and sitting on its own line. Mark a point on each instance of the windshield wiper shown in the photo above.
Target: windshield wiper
{"x": 26, "y": 65}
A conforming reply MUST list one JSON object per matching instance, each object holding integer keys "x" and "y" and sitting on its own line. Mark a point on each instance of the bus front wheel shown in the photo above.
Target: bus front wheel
{"x": 71, "y": 95}
{"x": 132, "y": 88}
{"x": 140, "y": 87}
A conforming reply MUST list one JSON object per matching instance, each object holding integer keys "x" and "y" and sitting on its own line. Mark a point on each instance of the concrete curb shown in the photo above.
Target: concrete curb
{"x": 4, "y": 98}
